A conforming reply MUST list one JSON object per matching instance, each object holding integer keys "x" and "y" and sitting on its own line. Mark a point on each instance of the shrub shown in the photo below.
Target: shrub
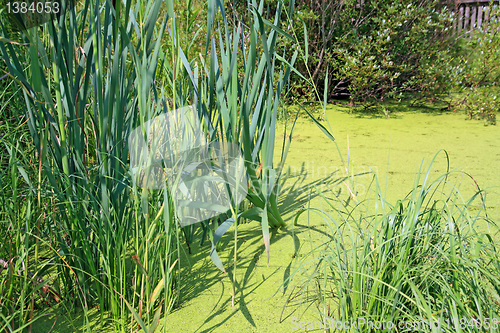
{"x": 402, "y": 48}
{"x": 483, "y": 103}
{"x": 479, "y": 64}
{"x": 370, "y": 52}
{"x": 480, "y": 53}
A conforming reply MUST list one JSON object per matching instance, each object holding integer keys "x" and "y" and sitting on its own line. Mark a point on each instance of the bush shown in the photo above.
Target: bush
{"x": 370, "y": 52}
{"x": 480, "y": 54}
{"x": 483, "y": 103}
{"x": 479, "y": 69}
{"x": 403, "y": 48}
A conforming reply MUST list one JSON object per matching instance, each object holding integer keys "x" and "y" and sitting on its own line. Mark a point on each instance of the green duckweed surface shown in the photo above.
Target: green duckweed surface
{"x": 393, "y": 148}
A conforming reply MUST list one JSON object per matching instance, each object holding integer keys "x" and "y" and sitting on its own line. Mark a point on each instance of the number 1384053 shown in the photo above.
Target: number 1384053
{"x": 22, "y": 7}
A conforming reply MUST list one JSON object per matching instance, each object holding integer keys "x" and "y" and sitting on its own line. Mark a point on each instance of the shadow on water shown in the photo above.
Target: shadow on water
{"x": 199, "y": 274}
{"x": 299, "y": 191}
{"x": 60, "y": 318}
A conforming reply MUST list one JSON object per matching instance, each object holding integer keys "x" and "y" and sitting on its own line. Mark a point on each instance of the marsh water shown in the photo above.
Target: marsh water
{"x": 394, "y": 149}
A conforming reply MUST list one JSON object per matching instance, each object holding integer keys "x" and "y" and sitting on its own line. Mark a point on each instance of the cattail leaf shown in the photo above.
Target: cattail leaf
{"x": 221, "y": 230}
{"x": 156, "y": 292}
{"x": 253, "y": 213}
{"x": 278, "y": 29}
{"x": 321, "y": 127}
{"x": 325, "y": 91}
{"x": 134, "y": 314}
{"x": 291, "y": 67}
{"x": 265, "y": 232}
{"x": 156, "y": 320}
{"x": 306, "y": 44}
{"x": 170, "y": 8}
{"x": 35, "y": 66}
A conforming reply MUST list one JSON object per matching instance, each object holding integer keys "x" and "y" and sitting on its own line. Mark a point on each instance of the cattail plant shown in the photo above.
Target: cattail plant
{"x": 89, "y": 88}
{"x": 239, "y": 107}
{"x": 89, "y": 83}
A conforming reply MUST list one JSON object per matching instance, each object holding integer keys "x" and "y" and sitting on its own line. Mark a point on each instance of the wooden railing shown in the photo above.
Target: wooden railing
{"x": 472, "y": 14}
{"x": 469, "y": 14}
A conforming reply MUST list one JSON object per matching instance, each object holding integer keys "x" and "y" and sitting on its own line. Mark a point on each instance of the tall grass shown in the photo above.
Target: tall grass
{"x": 427, "y": 263}
{"x": 90, "y": 81}
{"x": 18, "y": 286}
{"x": 236, "y": 86}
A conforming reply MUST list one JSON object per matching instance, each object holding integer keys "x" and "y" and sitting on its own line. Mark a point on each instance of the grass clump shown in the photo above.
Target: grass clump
{"x": 89, "y": 79}
{"x": 81, "y": 224}
{"x": 425, "y": 262}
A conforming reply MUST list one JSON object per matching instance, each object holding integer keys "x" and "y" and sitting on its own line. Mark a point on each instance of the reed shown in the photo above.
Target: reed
{"x": 431, "y": 259}
{"x": 89, "y": 82}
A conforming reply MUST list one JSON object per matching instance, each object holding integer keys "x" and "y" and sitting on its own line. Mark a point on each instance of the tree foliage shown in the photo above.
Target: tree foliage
{"x": 370, "y": 50}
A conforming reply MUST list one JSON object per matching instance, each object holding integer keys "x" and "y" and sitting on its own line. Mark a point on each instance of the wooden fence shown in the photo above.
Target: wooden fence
{"x": 471, "y": 14}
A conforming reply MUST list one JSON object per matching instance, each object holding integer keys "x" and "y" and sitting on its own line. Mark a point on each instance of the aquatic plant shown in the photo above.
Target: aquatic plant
{"x": 90, "y": 81}
{"x": 429, "y": 261}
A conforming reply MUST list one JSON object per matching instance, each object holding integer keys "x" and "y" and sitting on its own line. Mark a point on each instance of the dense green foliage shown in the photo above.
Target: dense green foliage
{"x": 371, "y": 52}
{"x": 88, "y": 80}
{"x": 81, "y": 233}
{"x": 478, "y": 70}
{"x": 82, "y": 230}
{"x": 400, "y": 48}
{"x": 389, "y": 50}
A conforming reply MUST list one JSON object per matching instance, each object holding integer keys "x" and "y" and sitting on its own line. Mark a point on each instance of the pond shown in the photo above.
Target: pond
{"x": 393, "y": 148}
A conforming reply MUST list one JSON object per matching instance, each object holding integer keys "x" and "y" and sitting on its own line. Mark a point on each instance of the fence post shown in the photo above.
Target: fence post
{"x": 471, "y": 14}
{"x": 480, "y": 16}
{"x": 467, "y": 16}
{"x": 460, "y": 16}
